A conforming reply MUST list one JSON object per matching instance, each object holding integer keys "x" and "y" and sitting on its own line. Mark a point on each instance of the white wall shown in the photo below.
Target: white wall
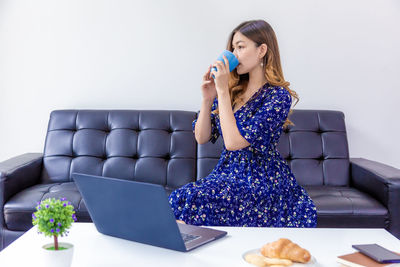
{"x": 339, "y": 55}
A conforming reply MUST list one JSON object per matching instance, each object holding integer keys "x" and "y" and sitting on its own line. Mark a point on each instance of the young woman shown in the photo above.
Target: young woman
{"x": 251, "y": 185}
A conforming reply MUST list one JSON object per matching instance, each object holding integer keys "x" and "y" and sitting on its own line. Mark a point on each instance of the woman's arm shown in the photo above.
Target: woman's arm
{"x": 232, "y": 138}
{"x": 202, "y": 130}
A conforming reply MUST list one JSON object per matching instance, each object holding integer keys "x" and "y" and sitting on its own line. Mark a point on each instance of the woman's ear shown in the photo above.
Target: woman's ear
{"x": 263, "y": 50}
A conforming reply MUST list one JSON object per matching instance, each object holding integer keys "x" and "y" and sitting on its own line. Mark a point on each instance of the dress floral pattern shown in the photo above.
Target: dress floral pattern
{"x": 253, "y": 186}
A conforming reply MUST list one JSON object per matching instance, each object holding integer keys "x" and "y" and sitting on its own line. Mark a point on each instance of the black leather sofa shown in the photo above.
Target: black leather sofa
{"x": 159, "y": 147}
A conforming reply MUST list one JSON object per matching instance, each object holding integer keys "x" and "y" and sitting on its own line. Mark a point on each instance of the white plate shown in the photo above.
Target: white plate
{"x": 311, "y": 263}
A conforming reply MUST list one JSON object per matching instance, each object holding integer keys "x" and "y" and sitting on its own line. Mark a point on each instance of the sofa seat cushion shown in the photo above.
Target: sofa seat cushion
{"x": 336, "y": 206}
{"x": 18, "y": 210}
{"x": 341, "y": 206}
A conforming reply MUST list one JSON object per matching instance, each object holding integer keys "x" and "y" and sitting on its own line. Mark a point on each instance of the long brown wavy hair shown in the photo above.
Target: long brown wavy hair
{"x": 260, "y": 32}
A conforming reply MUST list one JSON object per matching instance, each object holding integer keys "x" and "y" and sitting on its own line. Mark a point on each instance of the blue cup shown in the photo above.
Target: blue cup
{"x": 233, "y": 61}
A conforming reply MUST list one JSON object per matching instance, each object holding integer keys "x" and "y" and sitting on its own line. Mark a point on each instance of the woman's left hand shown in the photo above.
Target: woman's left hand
{"x": 221, "y": 76}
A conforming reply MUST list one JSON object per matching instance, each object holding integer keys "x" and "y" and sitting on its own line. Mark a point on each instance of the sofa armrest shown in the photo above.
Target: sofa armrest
{"x": 19, "y": 173}
{"x": 382, "y": 182}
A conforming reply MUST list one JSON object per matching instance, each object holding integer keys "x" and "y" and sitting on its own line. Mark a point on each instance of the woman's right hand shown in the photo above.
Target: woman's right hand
{"x": 208, "y": 86}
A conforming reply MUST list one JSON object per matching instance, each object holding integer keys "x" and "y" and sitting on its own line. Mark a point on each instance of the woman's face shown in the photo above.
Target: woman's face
{"x": 246, "y": 52}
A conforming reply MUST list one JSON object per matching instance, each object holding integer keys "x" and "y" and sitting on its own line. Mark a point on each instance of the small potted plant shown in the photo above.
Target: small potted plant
{"x": 53, "y": 218}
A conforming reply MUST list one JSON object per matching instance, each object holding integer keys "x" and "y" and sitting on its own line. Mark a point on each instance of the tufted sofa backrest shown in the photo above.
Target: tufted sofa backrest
{"x": 158, "y": 146}
{"x": 315, "y": 148}
{"x": 150, "y": 146}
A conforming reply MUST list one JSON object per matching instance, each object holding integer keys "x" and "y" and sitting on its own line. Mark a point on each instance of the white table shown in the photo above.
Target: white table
{"x": 95, "y": 249}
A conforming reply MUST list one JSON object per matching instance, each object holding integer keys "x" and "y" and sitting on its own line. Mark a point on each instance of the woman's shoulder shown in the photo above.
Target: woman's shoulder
{"x": 276, "y": 89}
{"x": 277, "y": 92}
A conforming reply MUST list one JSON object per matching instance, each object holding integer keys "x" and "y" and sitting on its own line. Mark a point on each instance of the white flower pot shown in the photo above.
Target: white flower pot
{"x": 57, "y": 258}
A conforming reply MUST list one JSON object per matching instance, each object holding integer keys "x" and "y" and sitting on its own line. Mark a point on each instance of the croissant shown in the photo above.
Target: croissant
{"x": 286, "y": 249}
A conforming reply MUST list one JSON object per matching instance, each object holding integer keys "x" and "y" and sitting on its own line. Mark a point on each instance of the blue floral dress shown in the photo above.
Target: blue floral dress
{"x": 253, "y": 186}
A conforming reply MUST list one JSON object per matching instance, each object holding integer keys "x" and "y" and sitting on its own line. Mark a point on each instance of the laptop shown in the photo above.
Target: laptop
{"x": 138, "y": 212}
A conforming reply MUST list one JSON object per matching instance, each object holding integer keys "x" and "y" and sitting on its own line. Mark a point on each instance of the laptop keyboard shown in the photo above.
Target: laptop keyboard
{"x": 187, "y": 237}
